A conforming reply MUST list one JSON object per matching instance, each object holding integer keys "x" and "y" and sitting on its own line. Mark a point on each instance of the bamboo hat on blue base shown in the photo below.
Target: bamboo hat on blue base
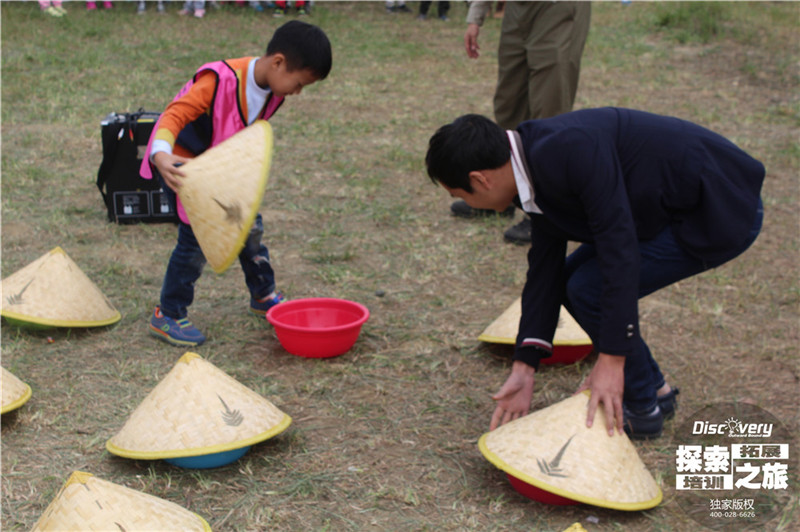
{"x": 86, "y": 502}
{"x": 197, "y": 416}
{"x": 15, "y": 392}
{"x": 52, "y": 291}
{"x": 554, "y": 451}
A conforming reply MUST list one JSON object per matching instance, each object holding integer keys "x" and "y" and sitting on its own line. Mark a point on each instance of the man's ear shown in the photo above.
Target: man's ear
{"x": 479, "y": 179}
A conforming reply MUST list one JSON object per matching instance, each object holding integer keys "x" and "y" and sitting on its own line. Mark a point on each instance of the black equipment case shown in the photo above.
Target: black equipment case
{"x": 129, "y": 197}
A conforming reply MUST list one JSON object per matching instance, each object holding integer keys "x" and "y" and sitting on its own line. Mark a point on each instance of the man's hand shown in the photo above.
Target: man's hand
{"x": 514, "y": 397}
{"x": 166, "y": 165}
{"x": 471, "y": 41}
{"x": 607, "y": 383}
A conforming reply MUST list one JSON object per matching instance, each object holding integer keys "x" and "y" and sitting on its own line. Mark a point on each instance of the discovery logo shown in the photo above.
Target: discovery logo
{"x": 733, "y": 428}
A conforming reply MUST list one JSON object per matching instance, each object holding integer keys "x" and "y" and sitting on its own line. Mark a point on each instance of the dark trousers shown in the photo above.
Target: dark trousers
{"x": 187, "y": 262}
{"x": 444, "y": 7}
{"x": 663, "y": 262}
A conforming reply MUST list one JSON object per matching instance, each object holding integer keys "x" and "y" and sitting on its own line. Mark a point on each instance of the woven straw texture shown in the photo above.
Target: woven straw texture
{"x": 504, "y": 329}
{"x": 222, "y": 192}
{"x": 15, "y": 392}
{"x": 52, "y": 290}
{"x": 553, "y": 449}
{"x": 89, "y": 503}
{"x": 196, "y": 409}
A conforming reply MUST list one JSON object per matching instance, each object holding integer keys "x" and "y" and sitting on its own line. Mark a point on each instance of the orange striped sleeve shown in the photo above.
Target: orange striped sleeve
{"x": 187, "y": 108}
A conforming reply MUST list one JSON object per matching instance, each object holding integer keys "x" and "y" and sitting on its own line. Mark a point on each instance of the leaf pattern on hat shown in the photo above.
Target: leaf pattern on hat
{"x": 16, "y": 299}
{"x": 233, "y": 213}
{"x": 231, "y": 418}
{"x": 552, "y": 468}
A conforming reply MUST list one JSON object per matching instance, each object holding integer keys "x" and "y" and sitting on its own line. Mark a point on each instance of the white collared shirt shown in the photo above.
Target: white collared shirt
{"x": 256, "y": 96}
{"x": 521, "y": 176}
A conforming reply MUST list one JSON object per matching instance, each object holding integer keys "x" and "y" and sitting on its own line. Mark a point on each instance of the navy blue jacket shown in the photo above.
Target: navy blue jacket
{"x": 612, "y": 177}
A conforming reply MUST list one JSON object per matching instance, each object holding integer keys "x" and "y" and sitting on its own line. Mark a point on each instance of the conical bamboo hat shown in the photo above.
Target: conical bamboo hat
{"x": 15, "y": 392}
{"x": 53, "y": 291}
{"x": 222, "y": 192}
{"x": 86, "y": 502}
{"x": 554, "y": 450}
{"x": 197, "y": 409}
{"x": 504, "y": 329}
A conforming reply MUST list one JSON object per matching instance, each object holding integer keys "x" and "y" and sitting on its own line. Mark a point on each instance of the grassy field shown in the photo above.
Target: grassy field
{"x": 384, "y": 437}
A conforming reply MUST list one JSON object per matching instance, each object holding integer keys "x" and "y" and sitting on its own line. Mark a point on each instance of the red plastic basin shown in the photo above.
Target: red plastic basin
{"x": 318, "y": 327}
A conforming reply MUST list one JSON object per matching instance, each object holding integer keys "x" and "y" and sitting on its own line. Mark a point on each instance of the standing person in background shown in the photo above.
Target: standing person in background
{"x": 539, "y": 58}
{"x": 196, "y": 7}
{"x": 282, "y": 5}
{"x": 443, "y": 8}
{"x": 397, "y": 6}
{"x": 141, "y": 9}
{"x": 93, "y": 5}
{"x": 54, "y": 8}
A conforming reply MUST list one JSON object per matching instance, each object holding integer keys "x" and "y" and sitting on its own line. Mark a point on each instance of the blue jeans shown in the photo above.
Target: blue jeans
{"x": 187, "y": 262}
{"x": 663, "y": 262}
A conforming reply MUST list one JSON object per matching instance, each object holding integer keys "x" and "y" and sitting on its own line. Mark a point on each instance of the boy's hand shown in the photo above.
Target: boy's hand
{"x": 166, "y": 165}
{"x": 471, "y": 41}
{"x": 514, "y": 397}
{"x": 607, "y": 384}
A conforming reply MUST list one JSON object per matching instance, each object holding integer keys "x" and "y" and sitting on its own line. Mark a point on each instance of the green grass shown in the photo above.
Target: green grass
{"x": 385, "y": 436}
{"x": 692, "y": 21}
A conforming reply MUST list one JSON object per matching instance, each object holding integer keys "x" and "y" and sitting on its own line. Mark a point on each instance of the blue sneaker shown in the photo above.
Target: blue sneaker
{"x": 176, "y": 332}
{"x": 261, "y": 306}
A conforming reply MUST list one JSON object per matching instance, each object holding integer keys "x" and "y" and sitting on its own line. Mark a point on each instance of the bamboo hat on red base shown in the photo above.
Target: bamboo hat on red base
{"x": 197, "y": 410}
{"x": 504, "y": 329}
{"x": 222, "y": 192}
{"x": 552, "y": 449}
{"x": 15, "y": 392}
{"x": 86, "y": 502}
{"x": 53, "y": 291}
{"x": 570, "y": 342}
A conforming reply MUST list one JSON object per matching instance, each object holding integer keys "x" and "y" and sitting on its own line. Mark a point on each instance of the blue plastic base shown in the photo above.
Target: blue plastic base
{"x": 207, "y": 461}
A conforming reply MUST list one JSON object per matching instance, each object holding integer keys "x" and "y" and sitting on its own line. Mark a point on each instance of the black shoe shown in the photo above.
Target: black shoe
{"x": 460, "y": 208}
{"x": 668, "y": 403}
{"x": 520, "y": 233}
{"x": 643, "y": 426}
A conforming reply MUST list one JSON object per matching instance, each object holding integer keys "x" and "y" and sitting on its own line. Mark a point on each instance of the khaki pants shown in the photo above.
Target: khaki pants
{"x": 539, "y": 58}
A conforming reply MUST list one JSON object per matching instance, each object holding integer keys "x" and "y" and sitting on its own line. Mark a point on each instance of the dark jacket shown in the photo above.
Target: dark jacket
{"x": 613, "y": 177}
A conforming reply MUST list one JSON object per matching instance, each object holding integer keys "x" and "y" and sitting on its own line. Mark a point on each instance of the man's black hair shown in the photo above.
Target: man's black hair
{"x": 470, "y": 143}
{"x": 305, "y": 46}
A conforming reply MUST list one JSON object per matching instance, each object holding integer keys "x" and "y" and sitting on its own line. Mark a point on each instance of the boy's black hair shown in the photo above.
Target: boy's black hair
{"x": 471, "y": 142}
{"x": 305, "y": 46}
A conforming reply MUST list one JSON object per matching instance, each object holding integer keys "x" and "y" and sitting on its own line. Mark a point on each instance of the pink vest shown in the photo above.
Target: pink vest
{"x": 227, "y": 117}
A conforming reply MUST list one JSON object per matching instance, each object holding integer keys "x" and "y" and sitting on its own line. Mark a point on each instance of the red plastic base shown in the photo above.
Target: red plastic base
{"x": 568, "y": 354}
{"x": 537, "y": 494}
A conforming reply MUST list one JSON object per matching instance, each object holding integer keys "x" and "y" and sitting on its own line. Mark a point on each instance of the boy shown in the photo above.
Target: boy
{"x": 221, "y": 99}
{"x": 652, "y": 199}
